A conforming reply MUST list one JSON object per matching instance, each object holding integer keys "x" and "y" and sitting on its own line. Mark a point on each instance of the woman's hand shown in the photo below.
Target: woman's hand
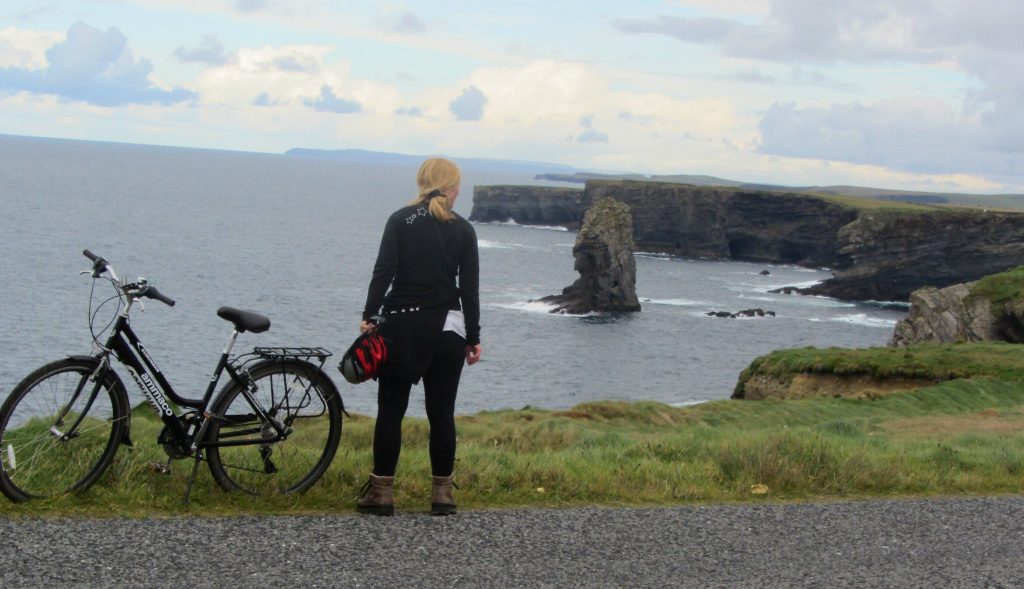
{"x": 367, "y": 326}
{"x": 473, "y": 354}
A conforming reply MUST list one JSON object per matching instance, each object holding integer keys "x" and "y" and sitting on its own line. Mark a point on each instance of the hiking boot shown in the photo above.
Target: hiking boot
{"x": 441, "y": 501}
{"x": 376, "y": 496}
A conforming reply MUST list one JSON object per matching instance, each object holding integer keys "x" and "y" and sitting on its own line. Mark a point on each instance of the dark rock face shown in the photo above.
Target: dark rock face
{"x": 947, "y": 315}
{"x": 756, "y": 312}
{"x": 954, "y": 314}
{"x": 887, "y": 255}
{"x": 875, "y": 254}
{"x": 528, "y": 205}
{"x": 604, "y": 258}
{"x": 713, "y": 222}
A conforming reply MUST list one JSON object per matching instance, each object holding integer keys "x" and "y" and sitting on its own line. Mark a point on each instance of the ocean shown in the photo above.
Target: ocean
{"x": 295, "y": 238}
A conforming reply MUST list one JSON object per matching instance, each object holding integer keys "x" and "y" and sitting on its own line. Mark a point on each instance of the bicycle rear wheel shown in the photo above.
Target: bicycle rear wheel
{"x": 59, "y": 430}
{"x": 302, "y": 400}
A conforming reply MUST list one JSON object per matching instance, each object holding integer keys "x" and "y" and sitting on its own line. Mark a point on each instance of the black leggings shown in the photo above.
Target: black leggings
{"x": 440, "y": 385}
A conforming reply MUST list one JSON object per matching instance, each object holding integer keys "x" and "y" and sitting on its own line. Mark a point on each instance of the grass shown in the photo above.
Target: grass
{"x": 936, "y": 362}
{"x": 1001, "y": 289}
{"x": 964, "y": 436}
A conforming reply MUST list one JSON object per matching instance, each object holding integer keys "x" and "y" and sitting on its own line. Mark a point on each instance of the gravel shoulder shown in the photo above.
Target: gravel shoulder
{"x": 961, "y": 542}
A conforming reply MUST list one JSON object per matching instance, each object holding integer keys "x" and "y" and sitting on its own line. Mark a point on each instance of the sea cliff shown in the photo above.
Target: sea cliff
{"x": 876, "y": 250}
{"x": 528, "y": 205}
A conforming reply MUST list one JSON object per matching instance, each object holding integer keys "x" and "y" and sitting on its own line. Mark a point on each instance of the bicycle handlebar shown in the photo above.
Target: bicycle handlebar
{"x": 100, "y": 265}
{"x": 152, "y": 293}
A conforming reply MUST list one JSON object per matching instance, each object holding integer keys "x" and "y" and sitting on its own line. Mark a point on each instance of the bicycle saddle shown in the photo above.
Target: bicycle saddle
{"x": 245, "y": 320}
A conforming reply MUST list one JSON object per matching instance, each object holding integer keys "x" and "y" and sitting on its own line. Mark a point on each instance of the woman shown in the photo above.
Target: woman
{"x": 432, "y": 323}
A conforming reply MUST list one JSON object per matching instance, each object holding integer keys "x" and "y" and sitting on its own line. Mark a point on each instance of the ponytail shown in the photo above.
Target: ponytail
{"x": 435, "y": 178}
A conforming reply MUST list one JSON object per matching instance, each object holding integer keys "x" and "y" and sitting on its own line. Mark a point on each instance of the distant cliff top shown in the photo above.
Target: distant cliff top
{"x": 859, "y": 202}
{"x": 997, "y": 201}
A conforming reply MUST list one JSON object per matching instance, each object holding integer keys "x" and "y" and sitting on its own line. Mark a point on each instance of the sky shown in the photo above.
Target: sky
{"x": 904, "y": 94}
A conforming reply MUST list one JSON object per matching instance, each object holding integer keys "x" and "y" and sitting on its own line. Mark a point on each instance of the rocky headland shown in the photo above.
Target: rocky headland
{"x": 886, "y": 254}
{"x": 603, "y": 256}
{"x": 991, "y": 309}
{"x": 876, "y": 251}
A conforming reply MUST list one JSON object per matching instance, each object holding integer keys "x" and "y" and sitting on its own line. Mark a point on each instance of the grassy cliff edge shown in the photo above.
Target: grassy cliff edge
{"x": 962, "y": 436}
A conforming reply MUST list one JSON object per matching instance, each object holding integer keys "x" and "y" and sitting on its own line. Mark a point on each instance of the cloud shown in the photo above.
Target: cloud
{"x": 911, "y": 135}
{"x": 589, "y": 134}
{"x": 592, "y": 136}
{"x": 864, "y": 31}
{"x": 253, "y": 5}
{"x": 469, "y": 106}
{"x": 94, "y": 67}
{"x": 411, "y": 111}
{"x": 210, "y": 51}
{"x": 328, "y": 102}
{"x": 406, "y": 23}
{"x": 294, "y": 76}
{"x": 984, "y": 133}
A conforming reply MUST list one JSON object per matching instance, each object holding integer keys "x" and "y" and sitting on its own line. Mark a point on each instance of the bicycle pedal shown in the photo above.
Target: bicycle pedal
{"x": 158, "y": 468}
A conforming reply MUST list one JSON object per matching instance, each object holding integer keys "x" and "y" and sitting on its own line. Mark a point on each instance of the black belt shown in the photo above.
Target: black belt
{"x": 402, "y": 310}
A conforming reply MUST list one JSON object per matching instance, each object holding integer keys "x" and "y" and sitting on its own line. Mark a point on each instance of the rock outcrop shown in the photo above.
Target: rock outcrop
{"x": 965, "y": 312}
{"x": 528, "y": 205}
{"x": 604, "y": 259}
{"x": 875, "y": 253}
{"x": 756, "y": 312}
{"x": 888, "y": 254}
{"x": 727, "y": 223}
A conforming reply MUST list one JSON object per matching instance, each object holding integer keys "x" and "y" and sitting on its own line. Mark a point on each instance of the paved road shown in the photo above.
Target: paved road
{"x": 922, "y": 543}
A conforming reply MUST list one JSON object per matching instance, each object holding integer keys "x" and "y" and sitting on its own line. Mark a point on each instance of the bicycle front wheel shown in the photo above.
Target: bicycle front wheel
{"x": 59, "y": 430}
{"x": 246, "y": 453}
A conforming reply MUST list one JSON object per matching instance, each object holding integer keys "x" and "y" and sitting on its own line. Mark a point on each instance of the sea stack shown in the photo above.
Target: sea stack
{"x": 604, "y": 258}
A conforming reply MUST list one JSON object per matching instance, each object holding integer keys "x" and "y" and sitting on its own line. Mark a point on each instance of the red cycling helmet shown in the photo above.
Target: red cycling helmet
{"x": 364, "y": 358}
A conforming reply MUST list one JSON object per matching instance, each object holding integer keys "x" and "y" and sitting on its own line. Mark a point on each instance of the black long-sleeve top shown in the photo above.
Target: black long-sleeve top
{"x": 420, "y": 259}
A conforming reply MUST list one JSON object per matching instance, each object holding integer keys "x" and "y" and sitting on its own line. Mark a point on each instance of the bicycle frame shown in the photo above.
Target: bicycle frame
{"x": 132, "y": 354}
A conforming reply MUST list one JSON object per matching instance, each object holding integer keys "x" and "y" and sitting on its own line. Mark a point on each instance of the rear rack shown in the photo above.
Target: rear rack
{"x": 298, "y": 353}
{"x": 316, "y": 355}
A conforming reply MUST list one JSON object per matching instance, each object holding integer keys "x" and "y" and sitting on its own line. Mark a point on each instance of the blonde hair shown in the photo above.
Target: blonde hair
{"x": 437, "y": 176}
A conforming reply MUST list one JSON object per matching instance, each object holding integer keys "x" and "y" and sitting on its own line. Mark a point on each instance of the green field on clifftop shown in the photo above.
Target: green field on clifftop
{"x": 960, "y": 437}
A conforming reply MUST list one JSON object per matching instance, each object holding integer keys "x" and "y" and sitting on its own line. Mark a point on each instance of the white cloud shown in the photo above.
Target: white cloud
{"x": 23, "y": 48}
{"x": 537, "y": 91}
{"x": 92, "y": 66}
{"x": 294, "y": 76}
{"x": 285, "y": 74}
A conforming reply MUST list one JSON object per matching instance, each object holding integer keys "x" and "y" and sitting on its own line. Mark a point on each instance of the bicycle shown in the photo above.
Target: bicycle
{"x": 274, "y": 427}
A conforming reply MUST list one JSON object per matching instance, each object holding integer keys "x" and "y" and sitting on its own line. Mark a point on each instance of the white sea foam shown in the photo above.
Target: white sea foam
{"x": 654, "y": 256}
{"x": 771, "y": 287}
{"x": 803, "y": 300}
{"x": 514, "y": 224}
{"x": 675, "y": 302}
{"x": 861, "y": 319}
{"x": 488, "y": 244}
{"x": 767, "y": 299}
{"x": 538, "y": 307}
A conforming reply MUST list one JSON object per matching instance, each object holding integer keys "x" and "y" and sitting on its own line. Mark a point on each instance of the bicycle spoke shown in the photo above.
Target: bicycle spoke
{"x": 50, "y": 458}
{"x": 288, "y": 462}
